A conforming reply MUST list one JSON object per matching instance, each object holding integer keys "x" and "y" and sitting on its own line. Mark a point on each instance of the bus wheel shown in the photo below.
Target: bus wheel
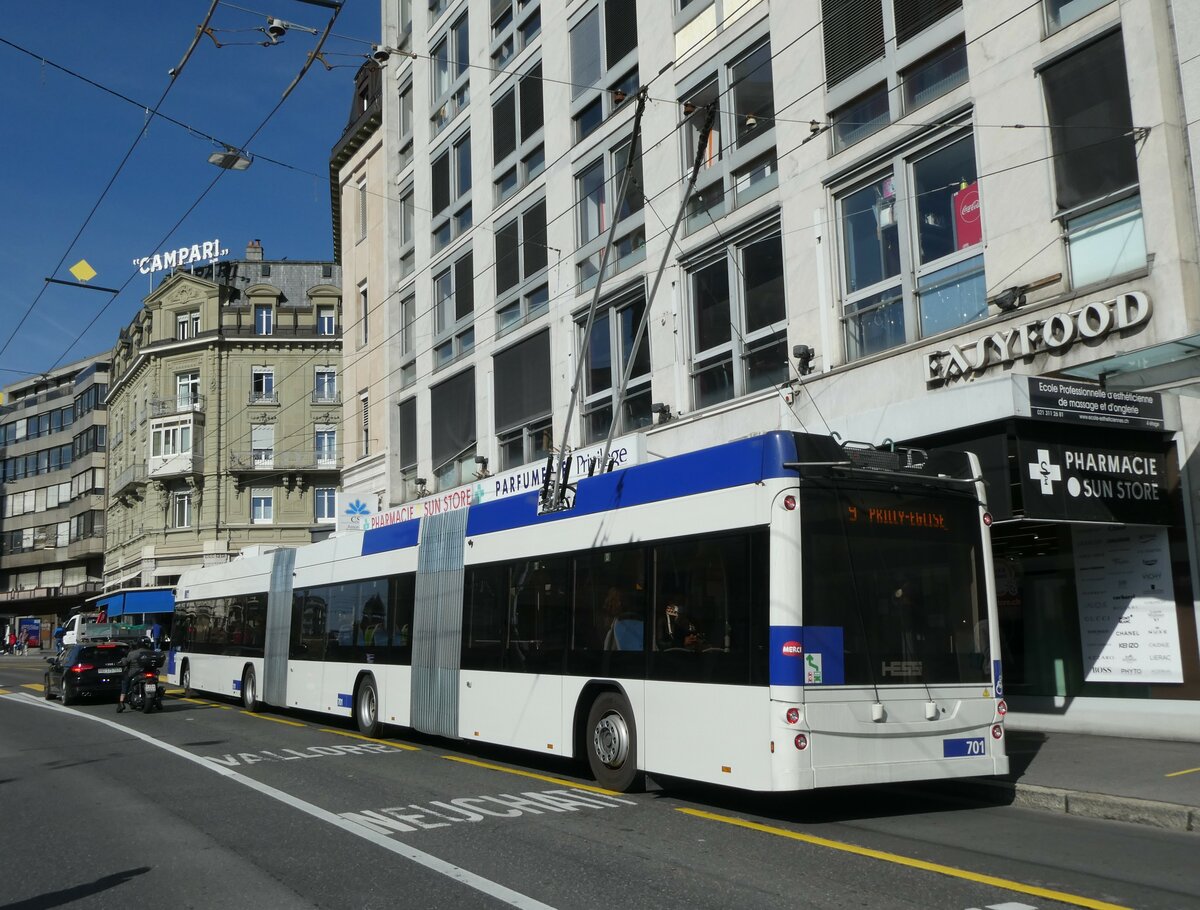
{"x": 185, "y": 678}
{"x": 612, "y": 743}
{"x": 250, "y": 690}
{"x": 366, "y": 708}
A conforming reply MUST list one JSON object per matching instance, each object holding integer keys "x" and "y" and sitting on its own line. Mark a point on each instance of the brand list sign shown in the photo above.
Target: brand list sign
{"x": 1065, "y": 481}
{"x": 1127, "y": 624}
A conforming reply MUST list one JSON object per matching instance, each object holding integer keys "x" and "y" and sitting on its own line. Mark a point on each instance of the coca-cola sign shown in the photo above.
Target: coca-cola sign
{"x": 968, "y": 217}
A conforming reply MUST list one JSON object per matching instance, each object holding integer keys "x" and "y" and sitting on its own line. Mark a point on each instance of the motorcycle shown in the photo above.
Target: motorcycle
{"x": 145, "y": 691}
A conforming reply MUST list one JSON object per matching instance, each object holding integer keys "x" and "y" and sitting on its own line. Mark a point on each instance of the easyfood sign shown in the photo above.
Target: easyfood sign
{"x": 1051, "y": 335}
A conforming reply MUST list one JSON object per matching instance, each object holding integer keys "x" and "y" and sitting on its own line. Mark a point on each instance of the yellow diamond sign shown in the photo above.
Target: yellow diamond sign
{"x": 83, "y": 271}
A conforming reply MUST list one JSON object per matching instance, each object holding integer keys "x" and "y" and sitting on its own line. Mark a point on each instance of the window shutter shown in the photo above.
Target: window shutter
{"x": 523, "y": 382}
{"x": 534, "y": 223}
{"x": 508, "y": 263}
{"x": 531, "y": 102}
{"x": 504, "y": 126}
{"x": 452, "y": 406}
{"x": 464, "y": 287}
{"x": 262, "y": 436}
{"x": 620, "y": 30}
{"x": 913, "y": 16}
{"x": 853, "y": 36}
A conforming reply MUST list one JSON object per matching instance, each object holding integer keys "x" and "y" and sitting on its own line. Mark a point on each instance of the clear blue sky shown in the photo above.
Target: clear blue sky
{"x": 64, "y": 139}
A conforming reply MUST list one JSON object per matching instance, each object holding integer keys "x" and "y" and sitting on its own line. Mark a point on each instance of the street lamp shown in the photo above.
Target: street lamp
{"x": 231, "y": 159}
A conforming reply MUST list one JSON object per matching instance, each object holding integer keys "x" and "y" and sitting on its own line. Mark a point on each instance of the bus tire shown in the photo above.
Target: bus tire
{"x": 250, "y": 690}
{"x": 185, "y": 678}
{"x": 611, "y": 739}
{"x": 366, "y": 708}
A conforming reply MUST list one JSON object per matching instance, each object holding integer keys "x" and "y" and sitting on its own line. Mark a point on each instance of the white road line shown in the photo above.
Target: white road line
{"x": 470, "y": 879}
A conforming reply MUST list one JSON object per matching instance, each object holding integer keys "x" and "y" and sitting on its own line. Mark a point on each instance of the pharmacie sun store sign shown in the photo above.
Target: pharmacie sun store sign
{"x": 1051, "y": 335}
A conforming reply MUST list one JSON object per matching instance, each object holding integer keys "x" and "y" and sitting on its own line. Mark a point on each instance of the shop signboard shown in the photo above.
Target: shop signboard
{"x": 1066, "y": 401}
{"x": 1069, "y": 481}
{"x": 1128, "y": 628}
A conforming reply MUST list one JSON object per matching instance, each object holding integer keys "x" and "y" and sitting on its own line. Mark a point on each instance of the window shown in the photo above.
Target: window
{"x": 454, "y": 304}
{"x": 325, "y": 385}
{"x": 604, "y": 67}
{"x": 452, "y": 406}
{"x": 593, "y": 186}
{"x": 326, "y": 321}
{"x": 264, "y": 319}
{"x": 181, "y": 510}
{"x": 451, "y": 74}
{"x": 262, "y": 386}
{"x": 187, "y": 391}
{"x": 738, "y": 156}
{"x": 364, "y": 316}
{"x": 518, "y": 148}
{"x": 514, "y": 24}
{"x": 406, "y": 125}
{"x": 171, "y": 437}
{"x": 912, "y": 252}
{"x": 451, "y": 176}
{"x": 521, "y": 289}
{"x": 325, "y": 445}
{"x": 406, "y": 426}
{"x": 1061, "y": 13}
{"x": 362, "y": 211}
{"x": 923, "y": 54}
{"x": 262, "y": 444}
{"x": 325, "y": 504}
{"x": 408, "y": 343}
{"x": 739, "y": 321}
{"x": 262, "y": 505}
{"x": 1095, "y": 161}
{"x": 522, "y": 400}
{"x": 614, "y": 328}
{"x": 364, "y": 424}
{"x": 187, "y": 325}
{"x": 407, "y": 253}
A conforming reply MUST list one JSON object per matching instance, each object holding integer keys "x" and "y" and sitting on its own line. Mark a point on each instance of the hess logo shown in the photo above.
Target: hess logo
{"x": 792, "y": 649}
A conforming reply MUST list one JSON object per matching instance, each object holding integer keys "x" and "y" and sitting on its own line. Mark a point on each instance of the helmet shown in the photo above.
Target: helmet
{"x": 145, "y": 643}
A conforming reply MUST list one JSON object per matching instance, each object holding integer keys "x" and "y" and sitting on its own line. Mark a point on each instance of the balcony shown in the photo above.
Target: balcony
{"x": 174, "y": 465}
{"x": 260, "y": 397}
{"x": 180, "y": 404}
{"x": 324, "y": 396}
{"x": 250, "y": 460}
{"x": 131, "y": 478}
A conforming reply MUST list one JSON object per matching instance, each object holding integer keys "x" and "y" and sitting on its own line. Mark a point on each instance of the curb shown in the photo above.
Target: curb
{"x": 1169, "y": 816}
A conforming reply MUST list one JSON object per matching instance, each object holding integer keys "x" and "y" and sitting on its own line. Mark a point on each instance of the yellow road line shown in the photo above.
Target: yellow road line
{"x": 206, "y": 704}
{"x": 37, "y": 687}
{"x": 1188, "y": 771}
{"x": 896, "y": 858}
{"x": 386, "y": 742}
{"x": 553, "y": 780}
{"x": 5, "y": 692}
{"x": 275, "y": 720}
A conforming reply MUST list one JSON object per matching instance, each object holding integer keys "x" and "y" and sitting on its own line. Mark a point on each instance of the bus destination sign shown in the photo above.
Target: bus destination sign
{"x": 898, "y": 518}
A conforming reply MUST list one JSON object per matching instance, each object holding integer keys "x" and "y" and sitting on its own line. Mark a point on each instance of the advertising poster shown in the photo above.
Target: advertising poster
{"x": 33, "y": 626}
{"x": 1127, "y": 623}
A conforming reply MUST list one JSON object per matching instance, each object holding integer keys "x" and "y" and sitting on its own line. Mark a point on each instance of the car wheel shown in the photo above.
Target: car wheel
{"x": 49, "y": 696}
{"x": 185, "y": 678}
{"x": 250, "y": 691}
{"x": 612, "y": 743}
{"x": 68, "y": 697}
{"x": 366, "y": 708}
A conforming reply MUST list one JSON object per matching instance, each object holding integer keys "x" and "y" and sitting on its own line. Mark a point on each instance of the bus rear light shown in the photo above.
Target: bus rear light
{"x": 997, "y": 731}
{"x": 1002, "y": 707}
{"x": 789, "y": 503}
{"x": 801, "y": 741}
{"x": 793, "y": 715}
{"x": 987, "y": 519}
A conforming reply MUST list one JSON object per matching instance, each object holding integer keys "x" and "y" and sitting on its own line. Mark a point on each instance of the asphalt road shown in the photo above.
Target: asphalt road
{"x": 205, "y": 805}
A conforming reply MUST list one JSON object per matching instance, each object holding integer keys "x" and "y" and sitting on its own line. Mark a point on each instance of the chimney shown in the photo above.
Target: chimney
{"x": 254, "y": 251}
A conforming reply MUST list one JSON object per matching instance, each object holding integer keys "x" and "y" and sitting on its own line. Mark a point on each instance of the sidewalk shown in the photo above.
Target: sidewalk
{"x": 1129, "y": 780}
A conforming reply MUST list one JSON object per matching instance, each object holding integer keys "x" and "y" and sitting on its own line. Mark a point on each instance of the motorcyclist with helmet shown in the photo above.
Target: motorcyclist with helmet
{"x": 138, "y": 658}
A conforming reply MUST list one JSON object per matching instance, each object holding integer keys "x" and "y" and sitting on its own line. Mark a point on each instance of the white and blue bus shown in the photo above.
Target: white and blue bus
{"x": 777, "y": 613}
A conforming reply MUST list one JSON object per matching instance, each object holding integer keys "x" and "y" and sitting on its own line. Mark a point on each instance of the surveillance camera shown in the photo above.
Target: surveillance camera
{"x": 380, "y": 54}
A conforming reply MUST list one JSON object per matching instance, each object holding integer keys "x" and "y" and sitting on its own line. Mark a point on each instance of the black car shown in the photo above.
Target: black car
{"x": 86, "y": 671}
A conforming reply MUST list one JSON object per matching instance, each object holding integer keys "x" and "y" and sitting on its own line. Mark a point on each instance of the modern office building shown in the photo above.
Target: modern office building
{"x": 53, "y": 454}
{"x": 224, "y": 404}
{"x": 950, "y": 222}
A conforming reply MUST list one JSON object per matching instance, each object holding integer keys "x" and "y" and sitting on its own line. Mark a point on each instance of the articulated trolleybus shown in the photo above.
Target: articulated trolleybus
{"x": 777, "y": 613}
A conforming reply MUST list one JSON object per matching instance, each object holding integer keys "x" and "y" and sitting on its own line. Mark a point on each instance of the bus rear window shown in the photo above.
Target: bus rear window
{"x": 900, "y": 573}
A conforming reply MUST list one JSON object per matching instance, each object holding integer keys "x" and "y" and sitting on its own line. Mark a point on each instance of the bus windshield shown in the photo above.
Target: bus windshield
{"x": 900, "y": 574}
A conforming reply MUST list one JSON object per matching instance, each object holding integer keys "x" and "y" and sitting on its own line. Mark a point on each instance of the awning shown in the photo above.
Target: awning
{"x": 138, "y": 600}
